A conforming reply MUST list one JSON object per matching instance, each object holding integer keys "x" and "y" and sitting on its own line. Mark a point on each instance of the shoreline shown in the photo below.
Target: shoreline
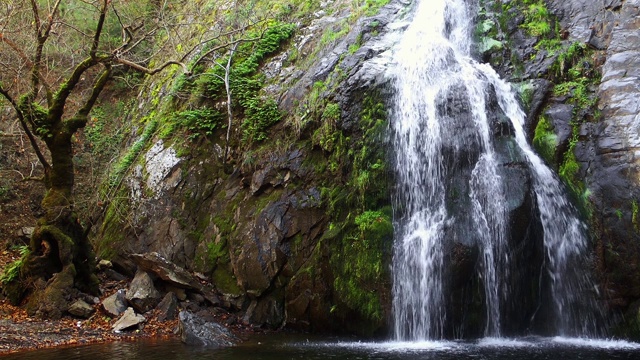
{"x": 21, "y": 333}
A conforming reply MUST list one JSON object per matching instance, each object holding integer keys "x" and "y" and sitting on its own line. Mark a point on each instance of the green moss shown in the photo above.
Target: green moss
{"x": 114, "y": 226}
{"x": 258, "y": 111}
{"x": 360, "y": 234}
{"x": 123, "y": 165}
{"x": 224, "y": 280}
{"x": 545, "y": 140}
{"x": 198, "y": 122}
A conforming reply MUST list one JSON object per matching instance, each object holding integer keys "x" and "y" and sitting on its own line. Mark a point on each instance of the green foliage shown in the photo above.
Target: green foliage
{"x": 329, "y": 36}
{"x": 217, "y": 252}
{"x": 12, "y": 270}
{"x": 259, "y": 114}
{"x": 545, "y": 140}
{"x": 570, "y": 167}
{"x": 537, "y": 20}
{"x": 199, "y": 122}
{"x": 375, "y": 224}
{"x": 371, "y": 7}
{"x": 573, "y": 72}
{"x": 569, "y": 172}
{"x": 568, "y": 58}
{"x": 331, "y": 113}
{"x": 246, "y": 83}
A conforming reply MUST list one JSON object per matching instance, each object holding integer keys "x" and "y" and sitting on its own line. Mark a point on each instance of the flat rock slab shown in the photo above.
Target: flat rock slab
{"x": 128, "y": 320}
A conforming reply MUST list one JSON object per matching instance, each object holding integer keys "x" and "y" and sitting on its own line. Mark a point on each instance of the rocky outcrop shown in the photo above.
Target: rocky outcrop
{"x": 200, "y": 331}
{"x": 81, "y": 309}
{"x": 174, "y": 275}
{"x": 256, "y": 228}
{"x": 608, "y": 149}
{"x": 168, "y": 307}
{"x": 272, "y": 231}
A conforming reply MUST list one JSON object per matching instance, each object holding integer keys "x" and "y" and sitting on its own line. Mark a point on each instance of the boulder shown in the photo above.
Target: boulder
{"x": 115, "y": 304}
{"x": 168, "y": 307}
{"x": 128, "y": 320}
{"x": 196, "y": 330}
{"x": 173, "y": 274}
{"x": 142, "y": 294}
{"x": 81, "y": 309}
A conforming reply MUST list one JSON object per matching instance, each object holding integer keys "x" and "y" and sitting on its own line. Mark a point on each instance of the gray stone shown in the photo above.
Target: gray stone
{"x": 168, "y": 307}
{"x": 128, "y": 320}
{"x": 115, "y": 304}
{"x": 142, "y": 294}
{"x": 81, "y": 309}
{"x": 26, "y": 232}
{"x": 196, "y": 330}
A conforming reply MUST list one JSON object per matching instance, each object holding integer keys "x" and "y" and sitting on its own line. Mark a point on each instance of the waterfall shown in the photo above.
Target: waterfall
{"x": 441, "y": 120}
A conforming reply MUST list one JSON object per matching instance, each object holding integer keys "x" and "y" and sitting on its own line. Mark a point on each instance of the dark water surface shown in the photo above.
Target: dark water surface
{"x": 307, "y": 348}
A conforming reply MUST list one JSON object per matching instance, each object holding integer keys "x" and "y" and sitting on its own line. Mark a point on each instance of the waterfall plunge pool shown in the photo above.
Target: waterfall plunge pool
{"x": 297, "y": 346}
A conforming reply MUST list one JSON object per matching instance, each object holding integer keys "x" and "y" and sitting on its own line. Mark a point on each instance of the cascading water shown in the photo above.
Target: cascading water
{"x": 440, "y": 123}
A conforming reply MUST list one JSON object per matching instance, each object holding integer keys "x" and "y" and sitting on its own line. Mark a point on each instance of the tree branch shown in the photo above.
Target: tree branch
{"x": 23, "y": 124}
{"x": 229, "y": 33}
{"x": 98, "y": 32}
{"x": 36, "y": 18}
{"x": 148, "y": 71}
{"x": 26, "y": 59}
{"x": 42, "y": 37}
{"x": 79, "y": 120}
{"x": 57, "y": 107}
{"x": 233, "y": 43}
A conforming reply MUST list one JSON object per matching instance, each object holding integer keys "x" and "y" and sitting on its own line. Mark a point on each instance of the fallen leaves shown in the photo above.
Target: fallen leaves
{"x": 21, "y": 332}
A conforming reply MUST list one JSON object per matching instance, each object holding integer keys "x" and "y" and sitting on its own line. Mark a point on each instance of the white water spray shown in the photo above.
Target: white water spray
{"x": 439, "y": 118}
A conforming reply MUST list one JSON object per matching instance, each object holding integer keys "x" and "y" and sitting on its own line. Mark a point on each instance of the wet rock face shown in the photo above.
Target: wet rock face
{"x": 607, "y": 150}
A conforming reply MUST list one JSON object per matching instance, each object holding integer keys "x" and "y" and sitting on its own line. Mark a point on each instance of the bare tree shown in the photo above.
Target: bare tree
{"x": 52, "y": 72}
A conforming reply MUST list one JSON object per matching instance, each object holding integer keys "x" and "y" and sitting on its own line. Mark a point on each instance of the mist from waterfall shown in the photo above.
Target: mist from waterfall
{"x": 439, "y": 120}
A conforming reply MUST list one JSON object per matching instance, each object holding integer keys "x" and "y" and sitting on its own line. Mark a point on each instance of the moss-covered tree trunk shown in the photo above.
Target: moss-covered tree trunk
{"x": 61, "y": 261}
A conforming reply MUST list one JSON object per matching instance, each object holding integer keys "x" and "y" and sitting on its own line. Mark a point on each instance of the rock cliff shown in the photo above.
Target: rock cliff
{"x": 296, "y": 231}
